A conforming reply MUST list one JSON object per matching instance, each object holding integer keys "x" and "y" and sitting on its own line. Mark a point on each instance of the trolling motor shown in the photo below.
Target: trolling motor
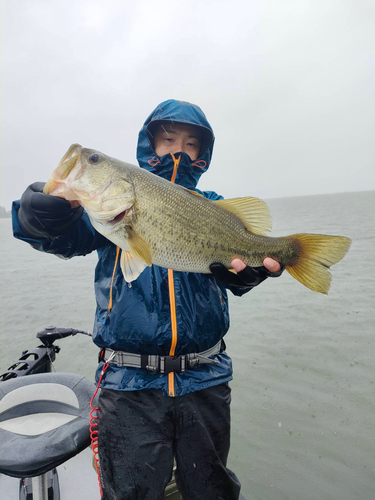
{"x": 40, "y": 359}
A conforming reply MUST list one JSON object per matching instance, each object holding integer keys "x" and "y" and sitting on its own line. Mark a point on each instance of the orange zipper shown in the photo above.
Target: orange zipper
{"x": 113, "y": 277}
{"x": 172, "y": 300}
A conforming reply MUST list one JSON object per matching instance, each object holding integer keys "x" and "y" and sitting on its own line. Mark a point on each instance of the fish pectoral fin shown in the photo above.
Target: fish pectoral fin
{"x": 139, "y": 248}
{"x": 131, "y": 266}
{"x": 253, "y": 212}
{"x": 133, "y": 262}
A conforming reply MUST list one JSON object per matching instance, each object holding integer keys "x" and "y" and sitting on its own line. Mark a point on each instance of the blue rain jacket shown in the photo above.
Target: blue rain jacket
{"x": 140, "y": 320}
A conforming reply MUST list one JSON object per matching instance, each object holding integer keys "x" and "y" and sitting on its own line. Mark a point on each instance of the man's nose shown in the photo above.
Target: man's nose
{"x": 179, "y": 147}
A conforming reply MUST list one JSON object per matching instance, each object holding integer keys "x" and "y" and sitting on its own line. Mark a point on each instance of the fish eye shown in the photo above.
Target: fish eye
{"x": 94, "y": 158}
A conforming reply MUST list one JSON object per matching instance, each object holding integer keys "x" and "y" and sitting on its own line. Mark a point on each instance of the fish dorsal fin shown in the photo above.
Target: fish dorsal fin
{"x": 134, "y": 262}
{"x": 253, "y": 212}
{"x": 192, "y": 192}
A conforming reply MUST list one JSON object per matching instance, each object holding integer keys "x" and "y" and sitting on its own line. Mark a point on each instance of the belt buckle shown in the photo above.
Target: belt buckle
{"x": 172, "y": 364}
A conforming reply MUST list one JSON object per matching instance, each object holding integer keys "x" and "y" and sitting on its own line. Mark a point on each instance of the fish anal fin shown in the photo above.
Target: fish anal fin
{"x": 253, "y": 212}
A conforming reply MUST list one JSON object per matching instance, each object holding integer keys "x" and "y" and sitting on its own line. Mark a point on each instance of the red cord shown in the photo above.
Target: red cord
{"x": 94, "y": 428}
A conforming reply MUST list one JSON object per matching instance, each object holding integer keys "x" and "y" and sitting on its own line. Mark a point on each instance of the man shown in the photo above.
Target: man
{"x": 165, "y": 392}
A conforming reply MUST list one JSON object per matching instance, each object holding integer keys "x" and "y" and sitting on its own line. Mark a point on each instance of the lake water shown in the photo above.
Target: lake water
{"x": 303, "y": 411}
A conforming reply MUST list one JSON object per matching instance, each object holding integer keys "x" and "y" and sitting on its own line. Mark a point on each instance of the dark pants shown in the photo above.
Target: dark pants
{"x": 140, "y": 432}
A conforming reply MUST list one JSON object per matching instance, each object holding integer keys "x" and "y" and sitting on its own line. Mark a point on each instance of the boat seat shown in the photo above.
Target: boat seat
{"x": 44, "y": 421}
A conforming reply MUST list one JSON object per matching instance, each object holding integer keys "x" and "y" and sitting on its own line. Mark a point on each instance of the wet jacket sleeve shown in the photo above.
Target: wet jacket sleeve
{"x": 81, "y": 238}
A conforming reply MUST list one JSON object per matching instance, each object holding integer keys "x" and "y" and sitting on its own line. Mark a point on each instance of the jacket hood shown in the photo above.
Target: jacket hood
{"x": 189, "y": 171}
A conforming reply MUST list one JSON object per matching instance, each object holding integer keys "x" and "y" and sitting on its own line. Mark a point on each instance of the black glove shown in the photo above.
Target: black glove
{"x": 247, "y": 278}
{"x": 44, "y": 216}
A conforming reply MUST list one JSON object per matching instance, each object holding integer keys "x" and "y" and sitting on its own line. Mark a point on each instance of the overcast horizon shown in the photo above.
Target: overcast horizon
{"x": 287, "y": 86}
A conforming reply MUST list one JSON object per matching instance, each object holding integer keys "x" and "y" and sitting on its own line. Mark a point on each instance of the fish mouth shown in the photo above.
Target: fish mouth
{"x": 64, "y": 168}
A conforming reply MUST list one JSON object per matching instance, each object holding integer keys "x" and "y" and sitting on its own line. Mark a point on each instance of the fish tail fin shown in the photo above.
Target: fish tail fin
{"x": 316, "y": 254}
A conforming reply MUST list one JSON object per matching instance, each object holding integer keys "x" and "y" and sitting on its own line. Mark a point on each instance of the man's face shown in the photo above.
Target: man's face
{"x": 172, "y": 137}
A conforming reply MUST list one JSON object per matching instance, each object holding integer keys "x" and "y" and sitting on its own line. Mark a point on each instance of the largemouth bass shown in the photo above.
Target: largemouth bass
{"x": 156, "y": 222}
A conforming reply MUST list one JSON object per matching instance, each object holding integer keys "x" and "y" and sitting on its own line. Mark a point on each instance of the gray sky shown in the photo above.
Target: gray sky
{"x": 288, "y": 86}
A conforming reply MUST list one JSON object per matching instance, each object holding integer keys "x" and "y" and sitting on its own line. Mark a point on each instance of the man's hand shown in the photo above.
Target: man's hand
{"x": 246, "y": 277}
{"x": 45, "y": 216}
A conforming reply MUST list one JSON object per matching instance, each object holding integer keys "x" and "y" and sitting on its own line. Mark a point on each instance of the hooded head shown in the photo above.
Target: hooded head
{"x": 189, "y": 171}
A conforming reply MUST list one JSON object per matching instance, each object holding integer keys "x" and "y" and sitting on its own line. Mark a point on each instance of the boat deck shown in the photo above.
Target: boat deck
{"x": 77, "y": 479}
